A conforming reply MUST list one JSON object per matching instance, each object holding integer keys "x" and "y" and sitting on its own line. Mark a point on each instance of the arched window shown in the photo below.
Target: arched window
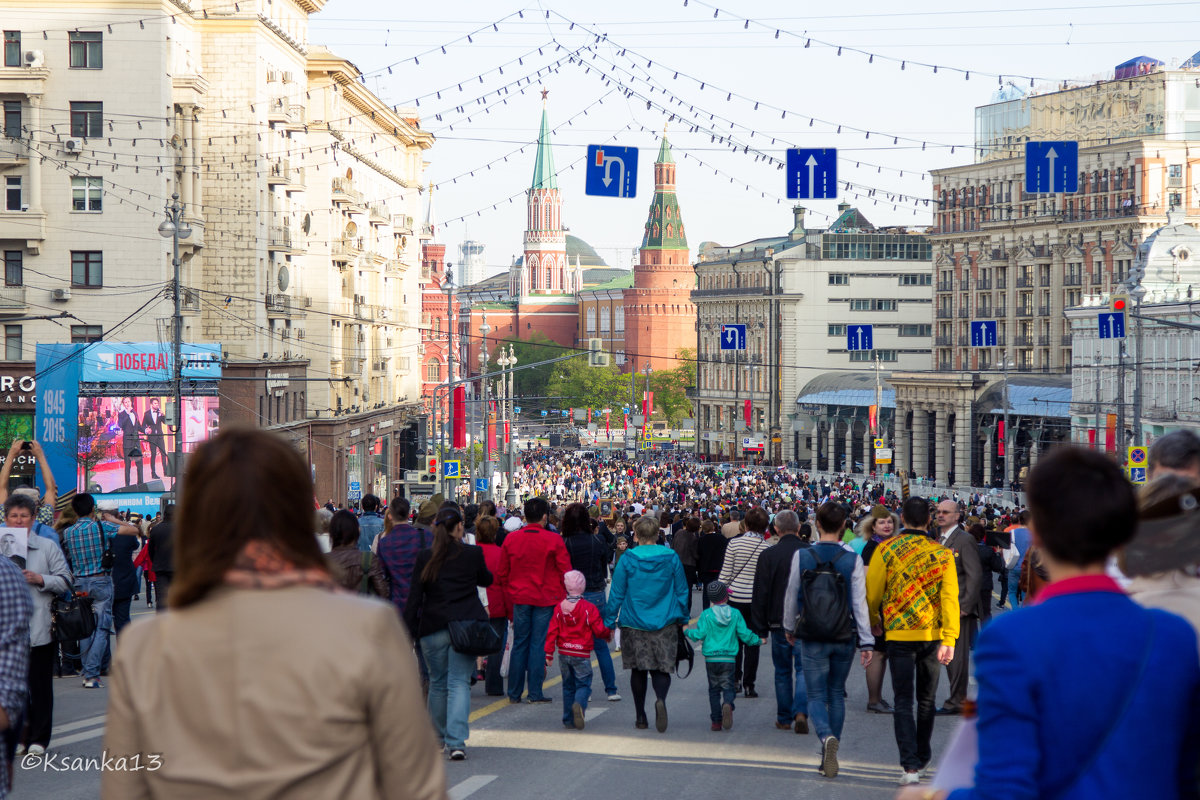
{"x": 433, "y": 371}
{"x": 605, "y": 319}
{"x": 620, "y": 323}
{"x": 591, "y": 320}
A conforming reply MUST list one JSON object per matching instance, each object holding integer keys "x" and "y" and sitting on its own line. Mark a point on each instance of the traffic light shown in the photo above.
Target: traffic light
{"x": 1118, "y": 303}
{"x": 431, "y": 466}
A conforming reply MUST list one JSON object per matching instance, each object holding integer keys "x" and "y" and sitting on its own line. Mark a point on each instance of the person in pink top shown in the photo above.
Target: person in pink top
{"x": 498, "y": 606}
{"x": 574, "y": 629}
{"x": 533, "y": 561}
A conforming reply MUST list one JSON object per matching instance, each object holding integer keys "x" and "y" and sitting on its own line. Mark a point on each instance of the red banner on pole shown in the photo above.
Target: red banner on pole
{"x": 506, "y": 431}
{"x": 1000, "y": 439}
{"x": 459, "y": 418}
{"x": 873, "y": 418}
{"x": 747, "y": 410}
{"x": 491, "y": 435}
{"x": 1110, "y": 434}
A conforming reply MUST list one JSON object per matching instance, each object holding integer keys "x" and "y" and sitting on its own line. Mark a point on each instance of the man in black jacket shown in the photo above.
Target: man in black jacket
{"x": 162, "y": 556}
{"x": 770, "y": 586}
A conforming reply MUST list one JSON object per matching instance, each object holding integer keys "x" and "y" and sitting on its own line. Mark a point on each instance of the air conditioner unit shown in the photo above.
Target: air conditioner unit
{"x": 73, "y": 146}
{"x": 35, "y": 58}
{"x": 60, "y": 294}
{"x": 287, "y": 77}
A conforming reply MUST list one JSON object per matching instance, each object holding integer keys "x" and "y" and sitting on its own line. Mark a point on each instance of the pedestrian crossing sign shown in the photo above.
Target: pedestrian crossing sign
{"x": 1137, "y": 456}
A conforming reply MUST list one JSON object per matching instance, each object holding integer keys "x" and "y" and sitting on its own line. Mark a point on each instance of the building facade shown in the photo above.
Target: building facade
{"x": 1022, "y": 259}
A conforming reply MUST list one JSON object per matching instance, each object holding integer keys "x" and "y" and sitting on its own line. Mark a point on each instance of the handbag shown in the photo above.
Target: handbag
{"x": 107, "y": 558}
{"x": 474, "y": 637}
{"x": 74, "y": 619}
{"x": 684, "y": 652}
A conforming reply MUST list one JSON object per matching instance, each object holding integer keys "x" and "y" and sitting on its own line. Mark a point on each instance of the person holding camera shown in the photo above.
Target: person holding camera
{"x": 88, "y": 547}
{"x": 43, "y": 520}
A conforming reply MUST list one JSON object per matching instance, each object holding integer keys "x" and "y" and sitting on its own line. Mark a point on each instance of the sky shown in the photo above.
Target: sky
{"x": 744, "y": 81}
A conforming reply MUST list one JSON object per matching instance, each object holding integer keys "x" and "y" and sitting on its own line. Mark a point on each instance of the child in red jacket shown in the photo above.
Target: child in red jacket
{"x": 574, "y": 628}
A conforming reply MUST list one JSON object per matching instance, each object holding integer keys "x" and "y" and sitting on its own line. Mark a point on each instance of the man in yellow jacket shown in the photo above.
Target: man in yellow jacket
{"x": 912, "y": 596}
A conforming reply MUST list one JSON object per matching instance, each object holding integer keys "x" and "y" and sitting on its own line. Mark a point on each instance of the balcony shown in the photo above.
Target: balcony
{"x": 24, "y": 226}
{"x": 945, "y": 286}
{"x": 1001, "y": 312}
{"x": 346, "y": 248}
{"x": 983, "y": 284}
{"x": 945, "y": 313}
{"x": 402, "y": 223}
{"x": 1065, "y": 340}
{"x": 395, "y": 265}
{"x": 1001, "y": 282}
{"x": 1073, "y": 280}
{"x": 279, "y": 238}
{"x": 277, "y": 110}
{"x": 984, "y": 312}
{"x": 1025, "y": 283}
{"x": 1023, "y": 341}
{"x": 378, "y": 213}
{"x": 964, "y": 313}
{"x": 944, "y": 341}
{"x": 964, "y": 340}
{"x": 1024, "y": 311}
{"x": 281, "y": 172}
{"x": 282, "y": 305}
{"x": 343, "y": 191}
{"x": 12, "y": 298}
{"x": 1044, "y": 281}
{"x": 295, "y": 115}
{"x": 1043, "y": 311}
{"x": 13, "y": 152}
{"x": 752, "y": 291}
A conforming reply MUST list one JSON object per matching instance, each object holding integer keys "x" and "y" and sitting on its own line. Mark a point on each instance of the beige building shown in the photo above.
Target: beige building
{"x": 1023, "y": 259}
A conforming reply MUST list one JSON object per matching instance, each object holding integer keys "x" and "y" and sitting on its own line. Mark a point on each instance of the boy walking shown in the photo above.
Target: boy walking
{"x": 721, "y": 630}
{"x": 574, "y": 628}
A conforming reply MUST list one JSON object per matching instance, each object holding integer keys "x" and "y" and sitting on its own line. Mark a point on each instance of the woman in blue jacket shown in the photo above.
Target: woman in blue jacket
{"x": 648, "y": 599}
{"x": 1084, "y": 694}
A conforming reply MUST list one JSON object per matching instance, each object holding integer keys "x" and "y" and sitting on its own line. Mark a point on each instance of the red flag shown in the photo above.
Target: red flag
{"x": 1000, "y": 433}
{"x": 1110, "y": 434}
{"x": 873, "y": 418}
{"x": 459, "y": 418}
{"x": 747, "y": 410}
{"x": 491, "y": 435}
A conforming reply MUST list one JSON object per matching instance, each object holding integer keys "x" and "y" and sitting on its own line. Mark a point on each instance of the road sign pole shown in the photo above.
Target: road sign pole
{"x": 1138, "y": 292}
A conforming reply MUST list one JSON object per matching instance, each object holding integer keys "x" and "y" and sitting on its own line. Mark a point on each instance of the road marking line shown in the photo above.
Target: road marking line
{"x": 470, "y": 786}
{"x": 83, "y": 723}
{"x": 594, "y": 712}
{"x": 56, "y": 741}
{"x": 480, "y": 713}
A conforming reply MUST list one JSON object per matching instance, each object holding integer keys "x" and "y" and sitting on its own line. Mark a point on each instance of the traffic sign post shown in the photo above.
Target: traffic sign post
{"x": 880, "y": 444}
{"x": 481, "y": 484}
{"x": 1138, "y": 456}
{"x": 1137, "y": 474}
{"x": 812, "y": 174}
{"x": 611, "y": 171}
{"x": 733, "y": 337}
{"x": 983, "y": 333}
{"x": 1112, "y": 325}
{"x": 1051, "y": 167}
{"x": 450, "y": 469}
{"x": 860, "y": 337}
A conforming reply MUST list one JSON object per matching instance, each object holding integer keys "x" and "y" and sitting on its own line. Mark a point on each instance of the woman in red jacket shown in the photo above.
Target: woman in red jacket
{"x": 498, "y": 606}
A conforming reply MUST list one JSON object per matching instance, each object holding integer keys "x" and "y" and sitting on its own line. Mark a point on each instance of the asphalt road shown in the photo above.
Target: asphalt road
{"x": 518, "y": 752}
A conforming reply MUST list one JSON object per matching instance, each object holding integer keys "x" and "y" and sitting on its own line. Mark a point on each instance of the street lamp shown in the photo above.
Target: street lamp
{"x": 175, "y": 227}
{"x": 510, "y": 497}
{"x": 484, "y": 330}
{"x": 502, "y": 398}
{"x": 1006, "y": 364}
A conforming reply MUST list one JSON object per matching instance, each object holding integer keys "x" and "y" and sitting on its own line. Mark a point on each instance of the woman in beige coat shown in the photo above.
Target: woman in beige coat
{"x": 265, "y": 679}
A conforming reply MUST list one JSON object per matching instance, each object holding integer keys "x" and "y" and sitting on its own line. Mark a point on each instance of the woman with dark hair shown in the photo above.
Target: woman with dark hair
{"x": 258, "y": 630}
{"x": 590, "y": 552}
{"x": 499, "y": 607}
{"x": 445, "y": 588}
{"x": 350, "y": 565}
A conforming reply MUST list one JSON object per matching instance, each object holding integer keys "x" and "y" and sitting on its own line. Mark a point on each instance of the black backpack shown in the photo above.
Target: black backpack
{"x": 824, "y": 603}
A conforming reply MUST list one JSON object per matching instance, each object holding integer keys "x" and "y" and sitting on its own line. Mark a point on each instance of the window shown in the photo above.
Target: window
{"x": 923, "y": 279}
{"x": 87, "y": 268}
{"x": 14, "y": 268}
{"x": 12, "y": 119}
{"x": 12, "y": 193}
{"x": 12, "y": 48}
{"x": 869, "y": 355}
{"x": 87, "y": 119}
{"x": 916, "y": 330}
{"x": 837, "y": 330}
{"x": 839, "y": 278}
{"x": 85, "y": 334}
{"x": 86, "y": 50}
{"x": 12, "y": 343}
{"x": 433, "y": 372}
{"x": 872, "y": 305}
{"x": 86, "y": 193}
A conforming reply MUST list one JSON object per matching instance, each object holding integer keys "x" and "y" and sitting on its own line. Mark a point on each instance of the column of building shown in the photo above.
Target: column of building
{"x": 963, "y": 443}
{"x": 903, "y": 455}
{"x": 920, "y": 441}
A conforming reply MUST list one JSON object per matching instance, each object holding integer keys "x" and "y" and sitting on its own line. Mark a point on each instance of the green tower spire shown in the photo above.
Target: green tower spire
{"x": 544, "y": 176}
{"x": 664, "y": 224}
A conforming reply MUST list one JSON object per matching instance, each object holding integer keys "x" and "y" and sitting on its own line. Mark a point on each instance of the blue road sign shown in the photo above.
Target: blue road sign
{"x": 516, "y": 409}
{"x": 860, "y": 337}
{"x": 543, "y": 412}
{"x": 1051, "y": 167}
{"x": 611, "y": 171}
{"x": 1112, "y": 325}
{"x": 450, "y": 469}
{"x": 355, "y": 486}
{"x": 983, "y": 333}
{"x": 733, "y": 337}
{"x": 812, "y": 174}
{"x": 1137, "y": 474}
{"x": 481, "y": 484}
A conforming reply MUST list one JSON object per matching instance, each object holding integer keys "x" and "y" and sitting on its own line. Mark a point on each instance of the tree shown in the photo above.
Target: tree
{"x": 583, "y": 386}
{"x": 539, "y": 347}
{"x": 670, "y": 389}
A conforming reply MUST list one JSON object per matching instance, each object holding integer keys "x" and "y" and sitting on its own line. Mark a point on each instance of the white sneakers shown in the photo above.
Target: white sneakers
{"x": 907, "y": 778}
{"x": 36, "y": 750}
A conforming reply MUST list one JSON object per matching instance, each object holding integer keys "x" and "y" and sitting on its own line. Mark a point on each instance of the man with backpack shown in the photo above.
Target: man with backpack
{"x": 912, "y": 591}
{"x": 825, "y": 609}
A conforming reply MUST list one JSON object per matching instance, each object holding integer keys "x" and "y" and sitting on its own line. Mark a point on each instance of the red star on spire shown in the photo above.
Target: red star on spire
{"x": 545, "y": 92}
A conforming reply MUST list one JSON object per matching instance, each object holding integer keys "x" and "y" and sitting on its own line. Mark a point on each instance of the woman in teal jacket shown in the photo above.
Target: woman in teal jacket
{"x": 648, "y": 599}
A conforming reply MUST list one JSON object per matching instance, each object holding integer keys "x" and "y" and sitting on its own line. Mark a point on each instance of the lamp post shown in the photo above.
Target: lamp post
{"x": 1006, "y": 364}
{"x": 510, "y": 497}
{"x": 175, "y": 227}
{"x": 1138, "y": 292}
{"x": 502, "y": 400}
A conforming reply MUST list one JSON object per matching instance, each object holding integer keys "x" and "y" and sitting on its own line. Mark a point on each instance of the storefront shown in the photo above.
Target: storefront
{"x": 17, "y": 402}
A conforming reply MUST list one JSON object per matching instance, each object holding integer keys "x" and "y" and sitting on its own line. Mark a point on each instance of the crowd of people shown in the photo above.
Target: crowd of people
{"x": 1085, "y": 688}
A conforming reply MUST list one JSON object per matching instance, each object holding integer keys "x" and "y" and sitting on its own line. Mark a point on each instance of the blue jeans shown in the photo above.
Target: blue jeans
{"x": 603, "y": 656}
{"x": 530, "y": 624}
{"x": 791, "y": 697}
{"x": 449, "y": 688}
{"x": 576, "y": 684}
{"x": 826, "y": 666}
{"x": 92, "y": 649}
{"x": 720, "y": 686}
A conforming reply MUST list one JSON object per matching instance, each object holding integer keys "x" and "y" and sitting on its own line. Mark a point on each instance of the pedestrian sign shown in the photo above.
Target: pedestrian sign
{"x": 611, "y": 171}
{"x": 860, "y": 337}
{"x": 450, "y": 469}
{"x": 481, "y": 484}
{"x": 879, "y": 443}
{"x": 812, "y": 174}
{"x": 1051, "y": 167}
{"x": 1137, "y": 456}
{"x": 1137, "y": 474}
